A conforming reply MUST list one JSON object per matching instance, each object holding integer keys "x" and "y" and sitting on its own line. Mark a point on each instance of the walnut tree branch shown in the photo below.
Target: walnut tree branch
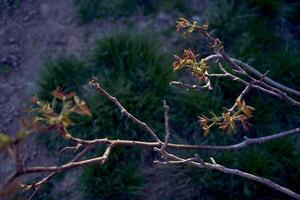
{"x": 150, "y": 145}
{"x": 221, "y": 168}
{"x": 255, "y": 72}
{"x": 98, "y": 160}
{"x": 93, "y": 83}
{"x": 46, "y": 179}
{"x": 188, "y": 86}
{"x": 111, "y": 143}
{"x": 166, "y": 107}
{"x": 243, "y": 93}
{"x": 240, "y": 80}
{"x": 247, "y": 141}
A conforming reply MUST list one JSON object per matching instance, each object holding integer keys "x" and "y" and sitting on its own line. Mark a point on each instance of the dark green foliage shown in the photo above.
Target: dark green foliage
{"x": 96, "y": 9}
{"x": 137, "y": 60}
{"x": 130, "y": 67}
{"x": 252, "y": 39}
{"x": 5, "y": 69}
{"x": 68, "y": 73}
{"x": 270, "y": 8}
{"x": 93, "y": 9}
{"x": 9, "y": 4}
{"x": 186, "y": 107}
{"x": 153, "y": 6}
{"x": 276, "y": 160}
{"x": 258, "y": 43}
{"x": 134, "y": 69}
{"x": 45, "y": 193}
{"x": 119, "y": 178}
{"x": 112, "y": 181}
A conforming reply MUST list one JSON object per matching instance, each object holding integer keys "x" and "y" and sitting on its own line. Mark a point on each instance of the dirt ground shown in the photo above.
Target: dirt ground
{"x": 31, "y": 33}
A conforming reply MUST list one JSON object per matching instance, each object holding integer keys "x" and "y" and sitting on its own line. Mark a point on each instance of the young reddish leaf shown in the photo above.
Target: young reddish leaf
{"x": 34, "y": 99}
{"x": 63, "y": 132}
{"x": 204, "y": 124}
{"x": 176, "y": 63}
{"x": 48, "y": 128}
{"x": 59, "y": 94}
{"x": 182, "y": 24}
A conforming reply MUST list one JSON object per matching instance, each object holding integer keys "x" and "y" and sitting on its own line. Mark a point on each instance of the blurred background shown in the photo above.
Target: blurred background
{"x": 129, "y": 45}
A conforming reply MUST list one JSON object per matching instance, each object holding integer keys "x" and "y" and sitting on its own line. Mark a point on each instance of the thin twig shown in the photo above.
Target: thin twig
{"x": 241, "y": 96}
{"x": 166, "y": 107}
{"x": 174, "y": 162}
{"x": 262, "y": 85}
{"x": 218, "y": 167}
{"x": 74, "y": 149}
{"x": 46, "y": 179}
{"x": 231, "y": 63}
{"x": 69, "y": 165}
{"x": 74, "y": 163}
{"x": 283, "y": 95}
{"x": 151, "y": 145}
{"x": 258, "y": 84}
{"x": 257, "y": 73}
{"x": 188, "y": 86}
{"x": 93, "y": 83}
{"x": 246, "y": 142}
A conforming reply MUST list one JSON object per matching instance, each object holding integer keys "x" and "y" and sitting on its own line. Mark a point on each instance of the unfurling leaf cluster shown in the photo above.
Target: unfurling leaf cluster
{"x": 187, "y": 27}
{"x": 189, "y": 60}
{"x": 240, "y": 112}
{"x": 56, "y": 115}
{"x": 227, "y": 122}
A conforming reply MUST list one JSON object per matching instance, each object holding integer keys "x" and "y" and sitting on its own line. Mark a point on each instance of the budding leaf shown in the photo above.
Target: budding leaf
{"x": 80, "y": 107}
{"x": 5, "y": 141}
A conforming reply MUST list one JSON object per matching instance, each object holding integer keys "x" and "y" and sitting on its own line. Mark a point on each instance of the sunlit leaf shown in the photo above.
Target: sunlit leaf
{"x": 82, "y": 109}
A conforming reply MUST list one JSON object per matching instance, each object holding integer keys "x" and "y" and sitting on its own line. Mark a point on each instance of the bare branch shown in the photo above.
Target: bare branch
{"x": 157, "y": 146}
{"x": 246, "y": 142}
{"x": 176, "y": 162}
{"x": 257, "y": 84}
{"x": 75, "y": 148}
{"x": 188, "y": 86}
{"x": 166, "y": 107}
{"x": 231, "y": 63}
{"x": 74, "y": 163}
{"x": 260, "y": 82}
{"x": 46, "y": 179}
{"x": 259, "y": 179}
{"x": 257, "y": 73}
{"x": 99, "y": 160}
{"x": 236, "y": 78}
{"x": 221, "y": 168}
{"x": 283, "y": 95}
{"x": 241, "y": 96}
{"x": 93, "y": 83}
